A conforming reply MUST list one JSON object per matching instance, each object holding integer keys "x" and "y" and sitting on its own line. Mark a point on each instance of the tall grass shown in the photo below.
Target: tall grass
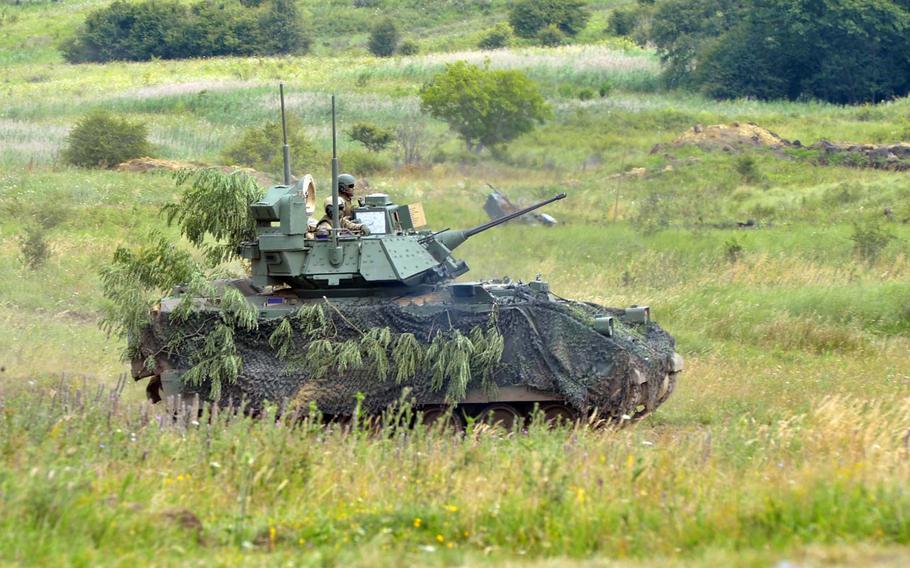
{"x": 89, "y": 477}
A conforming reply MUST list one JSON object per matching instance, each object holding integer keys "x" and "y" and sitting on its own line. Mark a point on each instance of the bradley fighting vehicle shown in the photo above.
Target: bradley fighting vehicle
{"x": 492, "y": 350}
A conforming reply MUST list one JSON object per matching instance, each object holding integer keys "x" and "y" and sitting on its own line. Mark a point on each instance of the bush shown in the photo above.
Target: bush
{"x": 623, "y": 21}
{"x": 485, "y": 107}
{"x": 551, "y": 36}
{"x": 529, "y": 17}
{"x": 259, "y": 147}
{"x": 168, "y": 29}
{"x": 384, "y": 38}
{"x": 374, "y": 138}
{"x": 361, "y": 163}
{"x": 33, "y": 248}
{"x": 102, "y": 140}
{"x": 869, "y": 241}
{"x": 497, "y": 37}
{"x": 408, "y": 47}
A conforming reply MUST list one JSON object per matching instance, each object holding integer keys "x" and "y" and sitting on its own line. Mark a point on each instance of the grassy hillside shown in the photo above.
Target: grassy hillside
{"x": 784, "y": 439}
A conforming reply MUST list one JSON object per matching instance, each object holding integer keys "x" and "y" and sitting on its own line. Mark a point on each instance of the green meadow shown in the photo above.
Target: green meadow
{"x": 786, "y": 439}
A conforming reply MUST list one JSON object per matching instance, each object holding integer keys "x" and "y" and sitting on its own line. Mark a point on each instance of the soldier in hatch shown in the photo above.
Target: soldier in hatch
{"x": 346, "y": 192}
{"x": 324, "y": 228}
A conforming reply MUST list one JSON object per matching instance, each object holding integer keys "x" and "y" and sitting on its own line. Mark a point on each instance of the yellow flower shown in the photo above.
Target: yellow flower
{"x": 451, "y": 508}
{"x": 450, "y": 544}
{"x": 417, "y": 523}
{"x": 272, "y": 534}
{"x": 440, "y": 538}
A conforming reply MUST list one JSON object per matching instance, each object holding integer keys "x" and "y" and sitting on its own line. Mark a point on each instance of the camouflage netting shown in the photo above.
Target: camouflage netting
{"x": 548, "y": 345}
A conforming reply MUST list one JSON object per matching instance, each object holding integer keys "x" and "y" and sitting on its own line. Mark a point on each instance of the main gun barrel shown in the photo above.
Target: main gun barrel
{"x": 451, "y": 239}
{"x": 490, "y": 224}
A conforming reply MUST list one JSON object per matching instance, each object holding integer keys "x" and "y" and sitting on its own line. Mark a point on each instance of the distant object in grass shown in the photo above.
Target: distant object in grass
{"x": 497, "y": 37}
{"x": 486, "y": 107}
{"x": 384, "y": 38}
{"x": 103, "y": 140}
{"x": 529, "y": 17}
{"x": 166, "y": 29}
{"x": 256, "y": 148}
{"x": 869, "y": 241}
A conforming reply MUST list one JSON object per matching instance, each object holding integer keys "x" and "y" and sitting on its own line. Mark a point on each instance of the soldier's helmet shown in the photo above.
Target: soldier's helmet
{"x": 328, "y": 205}
{"x": 346, "y": 184}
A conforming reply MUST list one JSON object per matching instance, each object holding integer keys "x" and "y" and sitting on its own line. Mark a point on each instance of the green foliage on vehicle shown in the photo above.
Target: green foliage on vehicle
{"x": 384, "y": 38}
{"x": 486, "y": 107}
{"x": 529, "y": 17}
{"x": 103, "y": 140}
{"x": 166, "y": 29}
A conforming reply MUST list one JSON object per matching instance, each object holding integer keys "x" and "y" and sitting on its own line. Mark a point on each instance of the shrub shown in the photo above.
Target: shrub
{"x": 733, "y": 250}
{"x": 497, "y": 37}
{"x": 623, "y": 21}
{"x": 869, "y": 241}
{"x": 747, "y": 168}
{"x": 408, "y": 47}
{"x": 384, "y": 38}
{"x": 374, "y": 138}
{"x": 485, "y": 107}
{"x": 33, "y": 248}
{"x": 529, "y": 17}
{"x": 102, "y": 140}
{"x": 361, "y": 163}
{"x": 168, "y": 29}
{"x": 259, "y": 147}
{"x": 551, "y": 36}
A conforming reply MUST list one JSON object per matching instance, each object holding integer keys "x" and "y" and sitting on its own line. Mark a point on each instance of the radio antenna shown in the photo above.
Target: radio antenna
{"x": 284, "y": 132}
{"x": 336, "y": 255}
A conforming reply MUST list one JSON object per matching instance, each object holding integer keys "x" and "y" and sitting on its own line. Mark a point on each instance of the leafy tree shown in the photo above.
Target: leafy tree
{"x": 529, "y": 17}
{"x": 102, "y": 140}
{"x": 259, "y": 147}
{"x": 843, "y": 51}
{"x": 485, "y": 107}
{"x": 168, "y": 29}
{"x": 497, "y": 37}
{"x": 127, "y": 31}
{"x": 374, "y": 138}
{"x": 280, "y": 29}
{"x": 384, "y": 38}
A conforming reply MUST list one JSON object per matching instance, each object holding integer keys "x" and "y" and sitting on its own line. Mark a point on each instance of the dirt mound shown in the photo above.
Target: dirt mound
{"x": 727, "y": 137}
{"x": 147, "y": 164}
{"x": 738, "y": 137}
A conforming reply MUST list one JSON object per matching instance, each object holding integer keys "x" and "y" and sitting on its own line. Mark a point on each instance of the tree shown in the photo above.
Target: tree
{"x": 384, "y": 38}
{"x": 167, "y": 29}
{"x": 529, "y": 17}
{"x": 102, "y": 140}
{"x": 485, "y": 107}
{"x": 259, "y": 148}
{"x": 374, "y": 138}
{"x": 280, "y": 29}
{"x": 843, "y": 51}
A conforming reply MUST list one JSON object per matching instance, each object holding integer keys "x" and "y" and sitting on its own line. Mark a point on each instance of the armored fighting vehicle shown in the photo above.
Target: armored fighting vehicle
{"x": 372, "y": 319}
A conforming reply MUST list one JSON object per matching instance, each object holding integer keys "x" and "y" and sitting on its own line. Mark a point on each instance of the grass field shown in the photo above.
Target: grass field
{"x": 786, "y": 440}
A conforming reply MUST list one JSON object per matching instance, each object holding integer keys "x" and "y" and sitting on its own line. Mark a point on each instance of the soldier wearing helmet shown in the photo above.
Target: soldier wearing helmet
{"x": 324, "y": 227}
{"x": 346, "y": 192}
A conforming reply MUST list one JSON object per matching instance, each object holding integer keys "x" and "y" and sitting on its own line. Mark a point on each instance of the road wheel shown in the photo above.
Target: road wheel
{"x": 443, "y": 417}
{"x": 500, "y": 415}
{"x": 557, "y": 413}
